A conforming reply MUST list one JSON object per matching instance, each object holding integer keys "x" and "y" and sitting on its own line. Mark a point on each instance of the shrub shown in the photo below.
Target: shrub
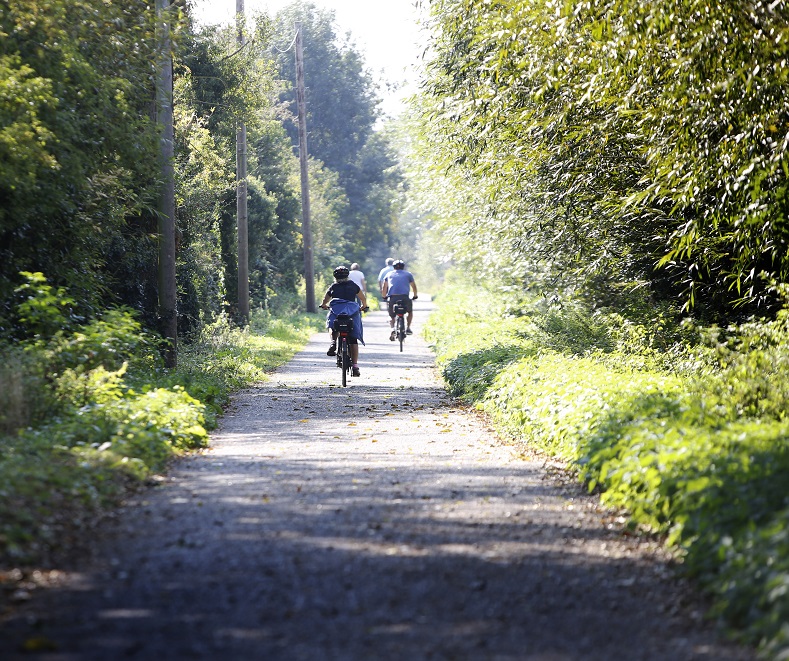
{"x": 690, "y": 438}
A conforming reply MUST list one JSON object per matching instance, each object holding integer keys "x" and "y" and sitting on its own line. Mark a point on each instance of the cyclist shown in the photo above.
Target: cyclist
{"x": 340, "y": 298}
{"x": 397, "y": 284}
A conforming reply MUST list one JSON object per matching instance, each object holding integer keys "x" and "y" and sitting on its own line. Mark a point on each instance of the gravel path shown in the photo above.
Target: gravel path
{"x": 379, "y": 522}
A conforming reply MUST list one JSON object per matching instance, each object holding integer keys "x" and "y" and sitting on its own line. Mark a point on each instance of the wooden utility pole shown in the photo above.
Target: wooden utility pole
{"x": 309, "y": 270}
{"x": 241, "y": 196}
{"x": 168, "y": 316}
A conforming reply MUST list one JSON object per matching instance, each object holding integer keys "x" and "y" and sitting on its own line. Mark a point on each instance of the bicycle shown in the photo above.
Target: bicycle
{"x": 400, "y": 310}
{"x": 343, "y": 332}
{"x": 344, "y": 327}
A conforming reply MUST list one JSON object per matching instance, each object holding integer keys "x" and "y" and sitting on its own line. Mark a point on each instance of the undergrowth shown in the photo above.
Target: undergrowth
{"x": 683, "y": 427}
{"x": 87, "y": 410}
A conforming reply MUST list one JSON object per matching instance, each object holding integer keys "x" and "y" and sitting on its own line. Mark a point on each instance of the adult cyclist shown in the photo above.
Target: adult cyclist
{"x": 340, "y": 298}
{"x": 397, "y": 285}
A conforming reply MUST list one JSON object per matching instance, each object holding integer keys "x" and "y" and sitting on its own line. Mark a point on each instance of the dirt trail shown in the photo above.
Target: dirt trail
{"x": 378, "y": 522}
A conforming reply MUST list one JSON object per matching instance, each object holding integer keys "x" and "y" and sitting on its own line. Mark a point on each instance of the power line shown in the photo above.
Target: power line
{"x": 277, "y": 48}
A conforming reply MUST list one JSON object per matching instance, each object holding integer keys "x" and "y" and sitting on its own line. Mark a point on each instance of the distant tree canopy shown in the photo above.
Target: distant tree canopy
{"x": 342, "y": 110}
{"x": 219, "y": 87}
{"x": 610, "y": 145}
{"x": 80, "y": 157}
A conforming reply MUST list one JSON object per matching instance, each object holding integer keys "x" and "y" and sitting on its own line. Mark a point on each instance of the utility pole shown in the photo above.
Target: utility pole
{"x": 309, "y": 269}
{"x": 168, "y": 316}
{"x": 241, "y": 196}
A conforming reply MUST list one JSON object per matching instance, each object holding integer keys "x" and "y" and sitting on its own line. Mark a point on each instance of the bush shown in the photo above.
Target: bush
{"x": 88, "y": 411}
{"x": 690, "y": 438}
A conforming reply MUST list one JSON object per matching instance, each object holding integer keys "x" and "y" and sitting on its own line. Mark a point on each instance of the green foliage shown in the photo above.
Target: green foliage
{"x": 747, "y": 367}
{"x": 88, "y": 411}
{"x": 762, "y": 555}
{"x": 76, "y": 142}
{"x": 57, "y": 476}
{"x": 342, "y": 111}
{"x": 690, "y": 440}
{"x": 613, "y": 145}
{"x": 43, "y": 311}
{"x": 217, "y": 86}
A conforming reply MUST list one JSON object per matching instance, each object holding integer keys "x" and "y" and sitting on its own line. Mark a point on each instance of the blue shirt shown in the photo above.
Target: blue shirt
{"x": 399, "y": 282}
{"x": 386, "y": 270}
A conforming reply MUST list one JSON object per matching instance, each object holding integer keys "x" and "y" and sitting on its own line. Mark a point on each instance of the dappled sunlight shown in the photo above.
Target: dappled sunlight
{"x": 377, "y": 521}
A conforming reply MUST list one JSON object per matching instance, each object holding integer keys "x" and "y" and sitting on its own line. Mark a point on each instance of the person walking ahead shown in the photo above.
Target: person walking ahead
{"x": 397, "y": 285}
{"x": 358, "y": 277}
{"x": 386, "y": 270}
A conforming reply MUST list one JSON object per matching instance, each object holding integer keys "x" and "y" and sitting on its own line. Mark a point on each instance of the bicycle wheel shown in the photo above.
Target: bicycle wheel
{"x": 346, "y": 362}
{"x": 401, "y": 331}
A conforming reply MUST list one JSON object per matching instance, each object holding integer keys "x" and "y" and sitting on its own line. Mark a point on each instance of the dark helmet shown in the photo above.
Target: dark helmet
{"x": 341, "y": 272}
{"x": 399, "y": 264}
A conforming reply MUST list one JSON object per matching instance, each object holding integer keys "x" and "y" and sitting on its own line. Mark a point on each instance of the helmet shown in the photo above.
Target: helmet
{"x": 399, "y": 264}
{"x": 341, "y": 272}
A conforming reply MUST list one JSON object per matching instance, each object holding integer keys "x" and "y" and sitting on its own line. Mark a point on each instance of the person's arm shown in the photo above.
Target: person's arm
{"x": 326, "y": 299}
{"x": 362, "y": 298}
{"x": 384, "y": 288}
{"x": 413, "y": 288}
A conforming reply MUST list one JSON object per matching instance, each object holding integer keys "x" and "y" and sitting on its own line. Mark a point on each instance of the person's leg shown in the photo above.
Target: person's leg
{"x": 390, "y": 305}
{"x": 333, "y": 346}
{"x": 354, "y": 351}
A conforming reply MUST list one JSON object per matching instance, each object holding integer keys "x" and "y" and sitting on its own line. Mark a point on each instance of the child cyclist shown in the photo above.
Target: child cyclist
{"x": 340, "y": 298}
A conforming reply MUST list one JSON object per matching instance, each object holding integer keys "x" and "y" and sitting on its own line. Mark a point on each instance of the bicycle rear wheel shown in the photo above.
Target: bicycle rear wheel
{"x": 401, "y": 331}
{"x": 346, "y": 362}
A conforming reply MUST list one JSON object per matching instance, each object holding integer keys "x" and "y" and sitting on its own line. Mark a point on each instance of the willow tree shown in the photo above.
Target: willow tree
{"x": 622, "y": 144}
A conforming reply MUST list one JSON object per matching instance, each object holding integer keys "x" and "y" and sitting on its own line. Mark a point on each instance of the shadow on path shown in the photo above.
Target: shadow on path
{"x": 372, "y": 522}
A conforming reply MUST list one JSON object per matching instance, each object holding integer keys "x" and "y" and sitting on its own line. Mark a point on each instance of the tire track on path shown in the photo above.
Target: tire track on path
{"x": 379, "y": 521}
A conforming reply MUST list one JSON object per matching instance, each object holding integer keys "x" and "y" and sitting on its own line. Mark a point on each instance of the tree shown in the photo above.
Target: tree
{"x": 76, "y": 140}
{"x": 621, "y": 145}
{"x": 342, "y": 111}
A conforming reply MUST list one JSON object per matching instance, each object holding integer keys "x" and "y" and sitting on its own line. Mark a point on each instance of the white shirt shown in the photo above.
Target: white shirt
{"x": 358, "y": 278}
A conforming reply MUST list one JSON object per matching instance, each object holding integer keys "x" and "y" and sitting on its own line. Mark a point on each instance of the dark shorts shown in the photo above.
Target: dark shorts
{"x": 409, "y": 305}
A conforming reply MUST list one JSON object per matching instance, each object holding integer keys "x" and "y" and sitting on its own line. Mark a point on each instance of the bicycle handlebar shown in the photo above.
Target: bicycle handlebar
{"x": 366, "y": 308}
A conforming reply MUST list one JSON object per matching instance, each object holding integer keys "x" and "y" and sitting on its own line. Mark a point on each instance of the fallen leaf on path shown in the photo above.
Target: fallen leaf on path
{"x": 39, "y": 644}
